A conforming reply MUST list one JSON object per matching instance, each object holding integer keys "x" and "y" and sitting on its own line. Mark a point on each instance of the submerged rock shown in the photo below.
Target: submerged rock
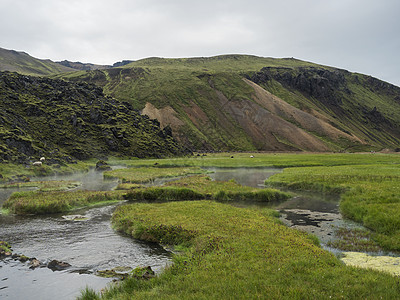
{"x": 120, "y": 273}
{"x": 75, "y": 218}
{"x": 34, "y": 263}
{"x": 123, "y": 272}
{"x": 56, "y": 265}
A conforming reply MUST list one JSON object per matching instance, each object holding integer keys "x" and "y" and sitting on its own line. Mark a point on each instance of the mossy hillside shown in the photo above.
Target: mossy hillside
{"x": 370, "y": 194}
{"x": 50, "y": 202}
{"x": 58, "y": 120}
{"x": 236, "y": 253}
{"x": 23, "y": 63}
{"x": 353, "y": 103}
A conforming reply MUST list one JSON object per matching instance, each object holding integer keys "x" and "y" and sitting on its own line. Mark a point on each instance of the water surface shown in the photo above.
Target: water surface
{"x": 88, "y": 246}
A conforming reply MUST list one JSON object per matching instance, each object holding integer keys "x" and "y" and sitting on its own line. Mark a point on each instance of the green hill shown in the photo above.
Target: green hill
{"x": 65, "y": 121}
{"x": 241, "y": 102}
{"x": 23, "y": 63}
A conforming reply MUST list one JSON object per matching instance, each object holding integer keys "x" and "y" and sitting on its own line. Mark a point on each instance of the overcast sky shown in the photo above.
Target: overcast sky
{"x": 357, "y": 35}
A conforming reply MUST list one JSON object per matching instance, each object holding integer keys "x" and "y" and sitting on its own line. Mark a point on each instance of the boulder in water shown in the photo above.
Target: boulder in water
{"x": 56, "y": 265}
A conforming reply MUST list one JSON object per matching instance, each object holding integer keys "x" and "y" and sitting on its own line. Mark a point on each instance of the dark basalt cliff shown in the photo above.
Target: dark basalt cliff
{"x": 64, "y": 121}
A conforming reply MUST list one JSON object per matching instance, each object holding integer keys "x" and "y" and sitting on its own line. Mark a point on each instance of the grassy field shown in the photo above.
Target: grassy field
{"x": 279, "y": 160}
{"x": 236, "y": 253}
{"x": 37, "y": 203}
{"x": 370, "y": 194}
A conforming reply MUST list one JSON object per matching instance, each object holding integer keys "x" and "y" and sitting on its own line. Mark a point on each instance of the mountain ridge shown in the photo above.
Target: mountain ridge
{"x": 362, "y": 110}
{"x": 18, "y": 61}
{"x": 246, "y": 103}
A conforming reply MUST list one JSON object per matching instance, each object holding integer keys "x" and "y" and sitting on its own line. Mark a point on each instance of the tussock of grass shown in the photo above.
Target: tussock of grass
{"x": 354, "y": 240}
{"x": 44, "y": 186}
{"x": 34, "y": 202}
{"x": 236, "y": 253}
{"x": 4, "y": 248}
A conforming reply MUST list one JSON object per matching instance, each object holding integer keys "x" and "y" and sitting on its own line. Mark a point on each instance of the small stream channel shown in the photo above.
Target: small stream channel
{"x": 88, "y": 245}
{"x": 92, "y": 245}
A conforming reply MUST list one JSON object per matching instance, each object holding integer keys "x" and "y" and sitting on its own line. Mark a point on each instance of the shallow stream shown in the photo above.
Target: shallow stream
{"x": 92, "y": 244}
{"x": 88, "y": 246}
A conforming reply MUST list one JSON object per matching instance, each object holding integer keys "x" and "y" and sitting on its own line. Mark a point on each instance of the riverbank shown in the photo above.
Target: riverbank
{"x": 230, "y": 253}
{"x": 39, "y": 203}
{"x": 370, "y": 194}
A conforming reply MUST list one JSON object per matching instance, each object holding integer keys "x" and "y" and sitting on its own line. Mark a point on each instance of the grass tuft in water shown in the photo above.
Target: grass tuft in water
{"x": 354, "y": 240}
{"x": 38, "y": 203}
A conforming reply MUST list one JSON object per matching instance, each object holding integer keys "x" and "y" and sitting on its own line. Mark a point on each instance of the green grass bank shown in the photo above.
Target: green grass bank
{"x": 147, "y": 174}
{"x": 278, "y": 160}
{"x": 39, "y": 203}
{"x": 370, "y": 194}
{"x": 236, "y": 253}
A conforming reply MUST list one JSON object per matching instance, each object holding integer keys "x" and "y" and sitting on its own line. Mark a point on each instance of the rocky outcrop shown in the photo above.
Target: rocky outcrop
{"x": 65, "y": 121}
{"x": 320, "y": 83}
{"x": 82, "y": 66}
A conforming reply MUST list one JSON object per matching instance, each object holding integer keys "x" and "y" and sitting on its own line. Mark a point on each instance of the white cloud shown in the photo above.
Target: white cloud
{"x": 359, "y": 35}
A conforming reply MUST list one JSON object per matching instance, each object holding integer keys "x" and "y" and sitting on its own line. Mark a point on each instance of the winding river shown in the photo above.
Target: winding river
{"x": 92, "y": 244}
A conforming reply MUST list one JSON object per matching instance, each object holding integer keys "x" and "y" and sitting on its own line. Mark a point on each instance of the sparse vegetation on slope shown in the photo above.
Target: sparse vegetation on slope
{"x": 23, "y": 63}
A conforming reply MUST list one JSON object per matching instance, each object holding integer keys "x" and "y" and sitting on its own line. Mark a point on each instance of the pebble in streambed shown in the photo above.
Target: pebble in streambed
{"x": 75, "y": 218}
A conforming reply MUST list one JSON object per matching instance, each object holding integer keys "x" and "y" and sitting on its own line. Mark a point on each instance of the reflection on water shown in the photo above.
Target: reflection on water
{"x": 91, "y": 181}
{"x": 254, "y": 177}
{"x": 88, "y": 246}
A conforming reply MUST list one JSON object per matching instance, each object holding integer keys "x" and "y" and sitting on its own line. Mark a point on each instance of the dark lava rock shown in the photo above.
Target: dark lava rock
{"x": 56, "y": 265}
{"x": 102, "y": 165}
{"x": 65, "y": 121}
